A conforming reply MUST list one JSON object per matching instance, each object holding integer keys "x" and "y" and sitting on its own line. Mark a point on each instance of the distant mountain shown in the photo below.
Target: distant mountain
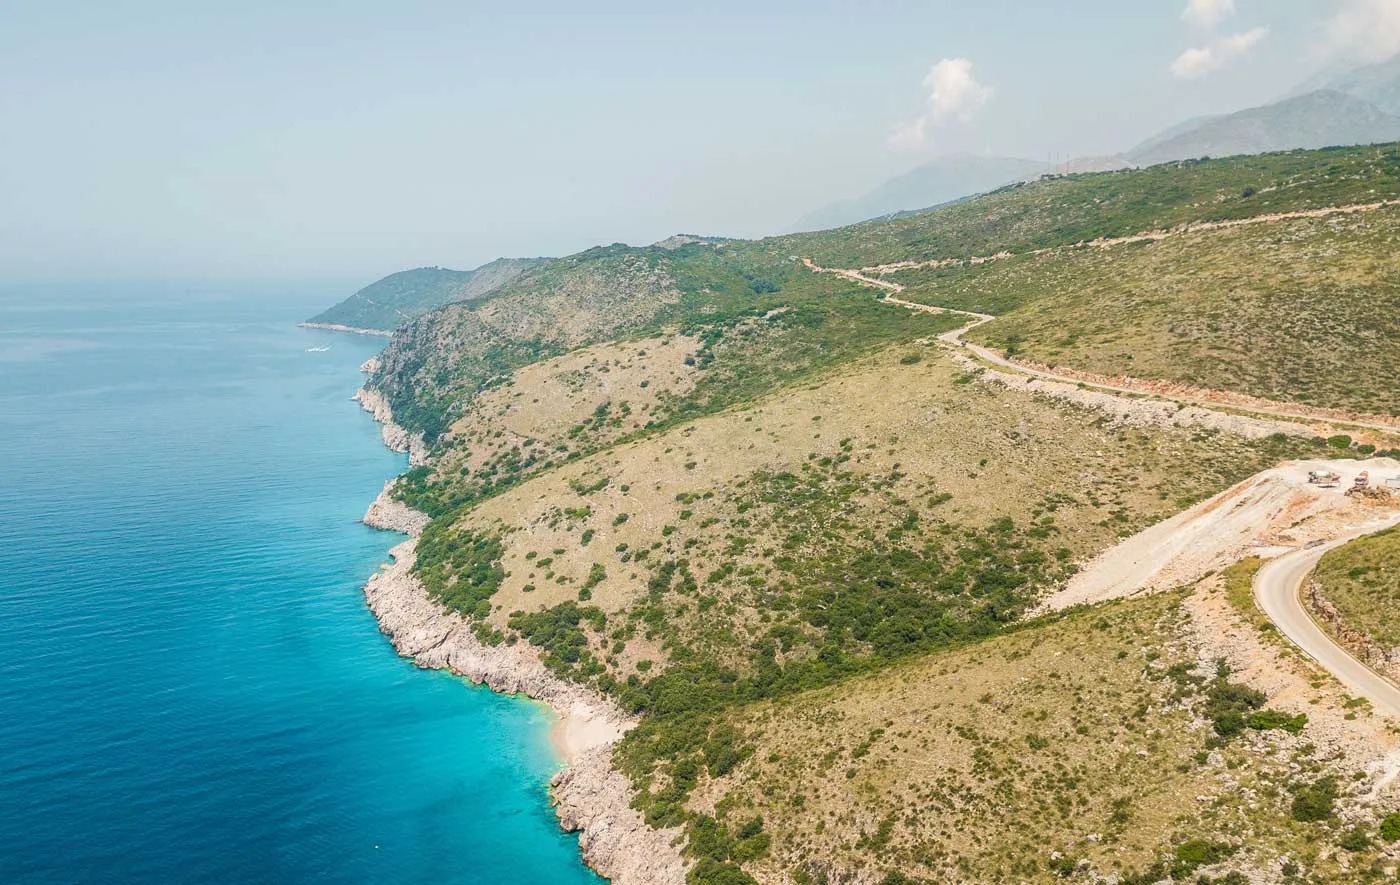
{"x": 389, "y": 303}
{"x": 1378, "y": 84}
{"x": 941, "y": 181}
{"x": 1322, "y": 118}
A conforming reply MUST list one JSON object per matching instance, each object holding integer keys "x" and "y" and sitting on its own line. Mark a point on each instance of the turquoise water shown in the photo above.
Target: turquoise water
{"x": 191, "y": 688}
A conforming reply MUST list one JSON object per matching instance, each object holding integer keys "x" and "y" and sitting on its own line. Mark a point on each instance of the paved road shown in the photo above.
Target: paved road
{"x": 1277, "y": 589}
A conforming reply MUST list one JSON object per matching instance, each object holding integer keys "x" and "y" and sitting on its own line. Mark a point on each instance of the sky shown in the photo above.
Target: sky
{"x": 341, "y": 141}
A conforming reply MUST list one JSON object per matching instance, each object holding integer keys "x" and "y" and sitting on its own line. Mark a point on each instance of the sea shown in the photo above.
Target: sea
{"x": 191, "y": 687}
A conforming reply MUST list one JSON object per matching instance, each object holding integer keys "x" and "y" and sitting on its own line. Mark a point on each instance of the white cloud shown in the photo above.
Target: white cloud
{"x": 1365, "y": 30}
{"x": 1208, "y": 13}
{"x": 1194, "y": 63}
{"x": 1202, "y": 60}
{"x": 952, "y": 93}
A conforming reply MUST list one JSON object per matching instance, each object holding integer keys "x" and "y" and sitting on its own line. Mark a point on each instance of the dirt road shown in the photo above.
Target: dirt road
{"x": 1277, "y": 590}
{"x": 1269, "y": 513}
{"x": 1214, "y": 400}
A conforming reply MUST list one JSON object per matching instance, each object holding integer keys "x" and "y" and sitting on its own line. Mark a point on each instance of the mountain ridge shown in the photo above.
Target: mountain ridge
{"x": 401, "y": 297}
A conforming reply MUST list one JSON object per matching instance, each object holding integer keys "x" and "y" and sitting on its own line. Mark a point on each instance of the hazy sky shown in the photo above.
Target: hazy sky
{"x": 342, "y": 141}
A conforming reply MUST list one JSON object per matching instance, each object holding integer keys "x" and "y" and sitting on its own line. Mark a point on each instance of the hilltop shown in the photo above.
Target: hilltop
{"x": 386, "y": 304}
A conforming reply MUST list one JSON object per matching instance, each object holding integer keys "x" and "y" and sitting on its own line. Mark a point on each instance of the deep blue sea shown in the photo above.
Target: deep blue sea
{"x": 191, "y": 688}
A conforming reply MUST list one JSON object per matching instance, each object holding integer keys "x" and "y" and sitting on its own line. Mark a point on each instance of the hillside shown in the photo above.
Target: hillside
{"x": 784, "y": 521}
{"x": 1070, "y": 209}
{"x": 1099, "y": 745}
{"x": 1296, "y": 311}
{"x": 1354, "y": 594}
{"x": 386, "y": 304}
{"x": 1323, "y": 118}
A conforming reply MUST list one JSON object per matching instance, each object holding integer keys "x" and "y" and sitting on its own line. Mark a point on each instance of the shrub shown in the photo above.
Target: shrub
{"x": 1264, "y": 720}
{"x": 1390, "y": 827}
{"x": 1340, "y": 441}
{"x": 1227, "y": 704}
{"x": 1198, "y": 852}
{"x": 460, "y": 569}
{"x": 558, "y": 632}
{"x": 1315, "y": 801}
{"x": 1355, "y": 839}
{"x": 1063, "y": 867}
{"x": 709, "y": 872}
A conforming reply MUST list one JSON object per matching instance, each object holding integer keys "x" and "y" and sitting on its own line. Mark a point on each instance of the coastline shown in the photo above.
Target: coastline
{"x": 590, "y": 797}
{"x": 396, "y": 438}
{"x": 353, "y": 330}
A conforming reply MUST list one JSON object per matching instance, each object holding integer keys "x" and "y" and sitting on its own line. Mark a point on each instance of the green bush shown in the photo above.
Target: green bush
{"x": 462, "y": 570}
{"x": 1227, "y": 704}
{"x": 1390, "y": 827}
{"x": 1196, "y": 853}
{"x": 1355, "y": 839}
{"x": 1315, "y": 801}
{"x": 558, "y": 632}
{"x": 1264, "y": 720}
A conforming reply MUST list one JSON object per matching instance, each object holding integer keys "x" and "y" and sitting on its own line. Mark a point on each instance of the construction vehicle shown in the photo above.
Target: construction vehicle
{"x": 1326, "y": 478}
{"x": 1361, "y": 488}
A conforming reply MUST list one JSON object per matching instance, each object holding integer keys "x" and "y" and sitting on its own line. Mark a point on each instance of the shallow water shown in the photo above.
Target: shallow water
{"x": 191, "y": 688}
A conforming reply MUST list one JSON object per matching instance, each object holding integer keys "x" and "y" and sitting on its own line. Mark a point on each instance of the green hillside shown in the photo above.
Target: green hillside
{"x": 771, "y": 515}
{"x": 386, "y": 304}
{"x": 1303, "y": 311}
{"x": 1069, "y": 209}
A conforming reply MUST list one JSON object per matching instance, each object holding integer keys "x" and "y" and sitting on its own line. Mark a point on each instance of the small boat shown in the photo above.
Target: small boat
{"x": 322, "y": 349}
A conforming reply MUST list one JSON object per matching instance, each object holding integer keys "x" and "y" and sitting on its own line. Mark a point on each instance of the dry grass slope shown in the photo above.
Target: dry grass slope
{"x": 1301, "y": 311}
{"x": 886, "y": 454}
{"x": 1079, "y": 746}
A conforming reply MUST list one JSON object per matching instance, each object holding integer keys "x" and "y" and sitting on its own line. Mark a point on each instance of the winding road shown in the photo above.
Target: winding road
{"x": 954, "y": 338}
{"x": 1278, "y": 585}
{"x": 1278, "y": 592}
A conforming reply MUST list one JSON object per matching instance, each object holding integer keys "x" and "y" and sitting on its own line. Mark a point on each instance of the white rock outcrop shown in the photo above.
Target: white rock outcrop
{"x": 591, "y": 797}
{"x": 395, "y": 437}
{"x": 391, "y": 514}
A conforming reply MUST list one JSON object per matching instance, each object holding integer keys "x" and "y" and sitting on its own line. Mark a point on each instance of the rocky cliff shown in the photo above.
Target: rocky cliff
{"x": 591, "y": 798}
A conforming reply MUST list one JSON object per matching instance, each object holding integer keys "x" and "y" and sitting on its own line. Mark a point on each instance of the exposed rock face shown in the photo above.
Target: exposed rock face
{"x": 395, "y": 437}
{"x": 594, "y": 800}
{"x": 591, "y": 796}
{"x": 393, "y": 515}
{"x": 1371, "y": 653}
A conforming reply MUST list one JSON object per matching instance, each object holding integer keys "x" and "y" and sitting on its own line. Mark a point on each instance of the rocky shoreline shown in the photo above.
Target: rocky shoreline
{"x": 395, "y": 437}
{"x": 354, "y": 330}
{"x": 590, "y": 797}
